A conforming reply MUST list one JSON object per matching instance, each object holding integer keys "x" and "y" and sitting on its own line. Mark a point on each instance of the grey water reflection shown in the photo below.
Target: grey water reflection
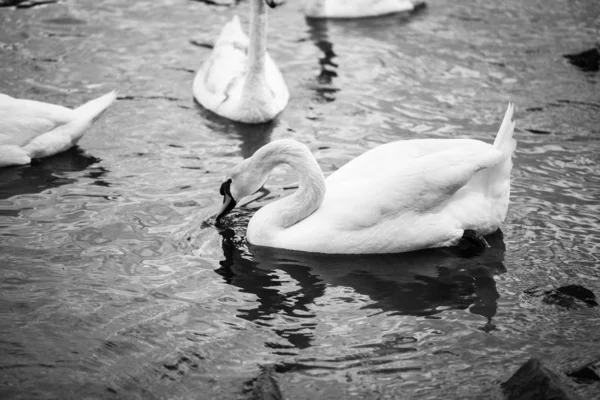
{"x": 104, "y": 294}
{"x": 252, "y": 136}
{"x": 318, "y": 33}
{"x": 46, "y": 173}
{"x": 422, "y": 283}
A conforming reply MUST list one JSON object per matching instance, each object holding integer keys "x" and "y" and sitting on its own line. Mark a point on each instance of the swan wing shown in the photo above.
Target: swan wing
{"x": 66, "y": 135}
{"x": 422, "y": 180}
{"x": 13, "y": 155}
{"x": 276, "y": 84}
{"x": 23, "y": 120}
{"x": 225, "y": 66}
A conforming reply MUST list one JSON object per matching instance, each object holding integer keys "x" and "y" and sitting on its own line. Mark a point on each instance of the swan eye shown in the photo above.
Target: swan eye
{"x": 225, "y": 188}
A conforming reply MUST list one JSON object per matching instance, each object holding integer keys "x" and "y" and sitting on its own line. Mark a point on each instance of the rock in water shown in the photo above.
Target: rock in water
{"x": 589, "y": 372}
{"x": 569, "y": 296}
{"x": 266, "y": 386}
{"x": 566, "y": 296}
{"x": 25, "y": 3}
{"x": 534, "y": 381}
{"x": 588, "y": 60}
{"x": 220, "y": 2}
{"x": 579, "y": 292}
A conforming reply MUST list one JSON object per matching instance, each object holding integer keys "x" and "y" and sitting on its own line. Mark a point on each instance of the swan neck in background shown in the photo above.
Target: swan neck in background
{"x": 257, "y": 49}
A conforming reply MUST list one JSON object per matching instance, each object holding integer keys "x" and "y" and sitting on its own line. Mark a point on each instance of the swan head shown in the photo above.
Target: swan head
{"x": 274, "y": 3}
{"x": 244, "y": 181}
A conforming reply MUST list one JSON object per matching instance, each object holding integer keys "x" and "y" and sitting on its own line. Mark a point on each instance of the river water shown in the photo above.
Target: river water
{"x": 115, "y": 284}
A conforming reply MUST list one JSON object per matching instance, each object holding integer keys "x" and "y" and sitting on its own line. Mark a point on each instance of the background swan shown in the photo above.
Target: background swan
{"x": 33, "y": 129}
{"x": 357, "y": 8}
{"x": 397, "y": 197}
{"x": 240, "y": 81}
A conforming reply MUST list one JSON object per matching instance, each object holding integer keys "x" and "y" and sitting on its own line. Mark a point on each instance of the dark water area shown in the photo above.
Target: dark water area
{"x": 114, "y": 283}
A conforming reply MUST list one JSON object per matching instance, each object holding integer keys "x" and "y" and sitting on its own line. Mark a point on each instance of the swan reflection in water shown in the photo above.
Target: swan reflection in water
{"x": 251, "y": 136}
{"x": 377, "y": 29}
{"x": 318, "y": 32}
{"x": 421, "y": 283}
{"x": 46, "y": 173}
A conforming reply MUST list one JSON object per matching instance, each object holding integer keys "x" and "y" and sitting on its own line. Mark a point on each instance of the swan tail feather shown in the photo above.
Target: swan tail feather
{"x": 506, "y": 144}
{"x": 232, "y": 33}
{"x": 499, "y": 176}
{"x": 67, "y": 135}
{"x": 504, "y": 139}
{"x": 93, "y": 109}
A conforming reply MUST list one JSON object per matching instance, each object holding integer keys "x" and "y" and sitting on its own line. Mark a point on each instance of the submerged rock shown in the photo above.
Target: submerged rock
{"x": 535, "y": 381}
{"x": 588, "y": 60}
{"x": 222, "y": 2}
{"x": 587, "y": 373}
{"x": 265, "y": 386}
{"x": 219, "y": 2}
{"x": 25, "y": 3}
{"x": 569, "y": 296}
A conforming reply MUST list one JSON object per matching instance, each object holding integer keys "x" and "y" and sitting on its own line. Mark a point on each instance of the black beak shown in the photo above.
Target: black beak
{"x": 228, "y": 201}
{"x": 228, "y": 205}
{"x": 271, "y": 3}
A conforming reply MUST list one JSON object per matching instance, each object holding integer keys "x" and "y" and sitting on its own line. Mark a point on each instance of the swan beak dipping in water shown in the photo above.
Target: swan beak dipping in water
{"x": 430, "y": 193}
{"x": 228, "y": 201}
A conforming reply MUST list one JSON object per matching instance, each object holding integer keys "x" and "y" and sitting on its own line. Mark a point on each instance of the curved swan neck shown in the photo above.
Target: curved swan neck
{"x": 257, "y": 48}
{"x": 292, "y": 209}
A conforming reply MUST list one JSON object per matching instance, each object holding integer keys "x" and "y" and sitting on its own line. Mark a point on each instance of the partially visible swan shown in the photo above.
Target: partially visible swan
{"x": 33, "y": 129}
{"x": 397, "y": 197}
{"x": 357, "y": 8}
{"x": 240, "y": 81}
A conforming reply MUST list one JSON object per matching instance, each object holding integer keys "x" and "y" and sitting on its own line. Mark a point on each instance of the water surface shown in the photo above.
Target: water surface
{"x": 102, "y": 295}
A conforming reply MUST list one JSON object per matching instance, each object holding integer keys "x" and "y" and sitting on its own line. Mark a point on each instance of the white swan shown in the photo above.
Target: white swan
{"x": 397, "y": 197}
{"x": 33, "y": 129}
{"x": 240, "y": 81}
{"x": 357, "y": 8}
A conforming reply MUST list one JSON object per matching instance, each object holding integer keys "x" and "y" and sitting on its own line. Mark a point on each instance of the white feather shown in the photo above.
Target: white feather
{"x": 400, "y": 196}
{"x": 33, "y": 129}
{"x": 230, "y": 85}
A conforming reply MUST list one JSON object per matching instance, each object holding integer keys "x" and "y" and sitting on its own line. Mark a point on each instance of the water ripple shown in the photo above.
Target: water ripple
{"x": 114, "y": 281}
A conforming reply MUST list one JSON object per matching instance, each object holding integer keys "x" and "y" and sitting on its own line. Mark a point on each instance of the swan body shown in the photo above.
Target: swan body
{"x": 357, "y": 8}
{"x": 33, "y": 129}
{"x": 240, "y": 81}
{"x": 401, "y": 196}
